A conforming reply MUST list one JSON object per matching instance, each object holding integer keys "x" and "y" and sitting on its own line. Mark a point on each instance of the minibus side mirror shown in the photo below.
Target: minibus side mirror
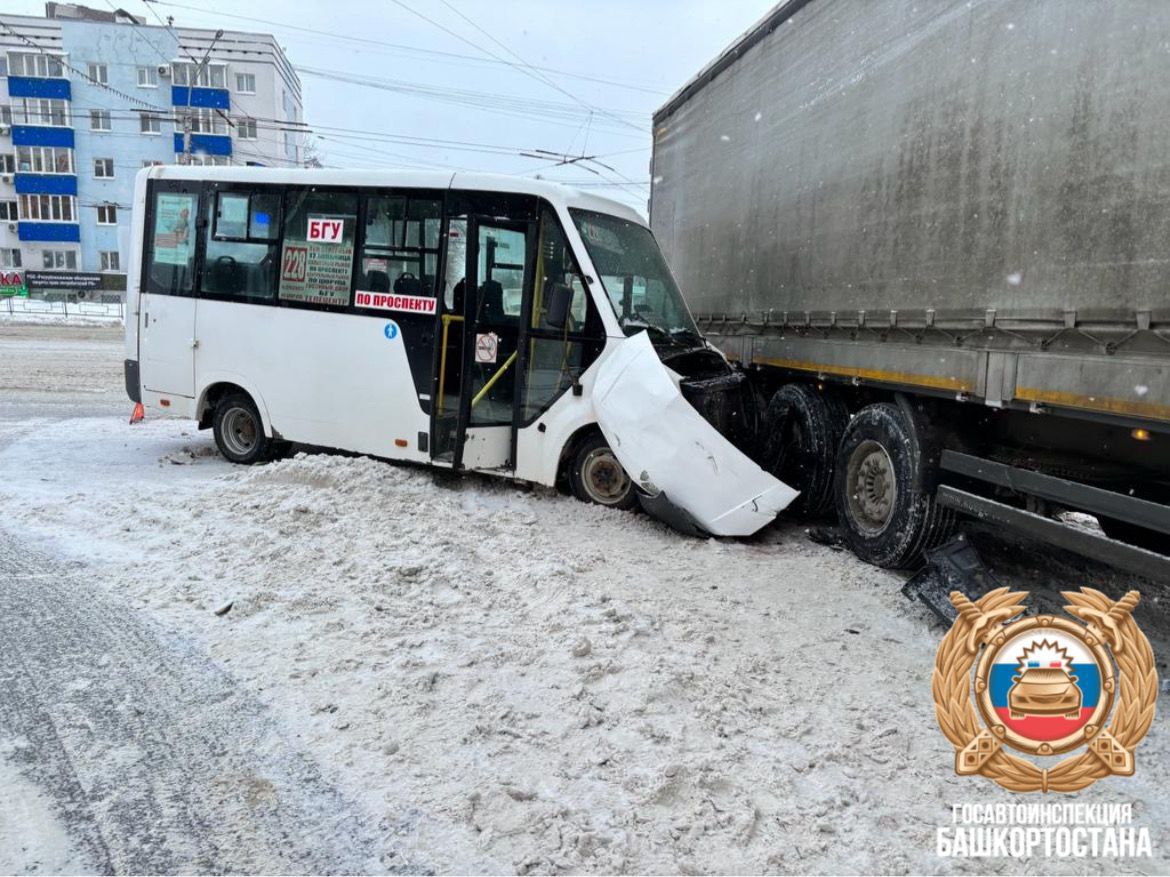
{"x": 558, "y": 299}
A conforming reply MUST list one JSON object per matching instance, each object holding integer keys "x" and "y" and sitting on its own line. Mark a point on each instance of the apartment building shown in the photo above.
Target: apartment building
{"x": 87, "y": 98}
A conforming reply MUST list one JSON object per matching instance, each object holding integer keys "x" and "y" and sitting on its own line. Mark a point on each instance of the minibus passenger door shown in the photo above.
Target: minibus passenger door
{"x": 497, "y": 283}
{"x": 167, "y": 299}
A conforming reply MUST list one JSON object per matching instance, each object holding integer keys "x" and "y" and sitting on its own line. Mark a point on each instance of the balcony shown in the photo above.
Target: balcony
{"x": 203, "y": 98}
{"x": 56, "y": 232}
{"x": 212, "y": 144}
{"x": 45, "y": 184}
{"x": 42, "y": 135}
{"x": 30, "y": 86}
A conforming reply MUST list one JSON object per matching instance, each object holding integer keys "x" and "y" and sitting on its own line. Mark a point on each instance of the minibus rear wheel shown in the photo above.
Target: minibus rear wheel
{"x": 239, "y": 432}
{"x": 596, "y": 476}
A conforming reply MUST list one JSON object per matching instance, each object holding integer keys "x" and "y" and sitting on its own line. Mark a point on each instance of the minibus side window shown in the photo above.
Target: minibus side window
{"x": 400, "y": 250}
{"x": 243, "y": 230}
{"x": 171, "y": 263}
{"x": 558, "y": 355}
{"x": 316, "y": 263}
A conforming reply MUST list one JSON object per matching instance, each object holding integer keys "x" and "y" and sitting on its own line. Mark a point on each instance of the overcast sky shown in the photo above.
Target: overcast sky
{"x": 643, "y": 49}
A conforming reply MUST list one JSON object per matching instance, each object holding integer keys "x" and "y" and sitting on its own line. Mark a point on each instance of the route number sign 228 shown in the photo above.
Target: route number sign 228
{"x": 295, "y": 264}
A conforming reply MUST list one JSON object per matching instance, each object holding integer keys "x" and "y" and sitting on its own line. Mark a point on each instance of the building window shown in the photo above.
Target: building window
{"x": 246, "y": 83}
{"x": 99, "y": 120}
{"x": 103, "y": 167}
{"x": 204, "y": 160}
{"x": 48, "y": 208}
{"x": 203, "y": 121}
{"x": 99, "y": 74}
{"x": 5, "y": 112}
{"x": 107, "y": 214}
{"x": 246, "y": 129}
{"x": 3, "y": 65}
{"x": 150, "y": 123}
{"x": 201, "y": 76}
{"x": 109, "y": 260}
{"x": 44, "y": 160}
{"x": 57, "y": 260}
{"x": 36, "y": 64}
{"x": 151, "y": 162}
{"x": 8, "y": 211}
{"x": 148, "y": 77}
{"x": 9, "y": 258}
{"x": 7, "y": 164}
{"x": 42, "y": 111}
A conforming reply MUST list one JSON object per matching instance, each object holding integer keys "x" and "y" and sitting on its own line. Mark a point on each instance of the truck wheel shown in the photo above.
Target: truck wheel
{"x": 239, "y": 432}
{"x": 802, "y": 429}
{"x": 596, "y": 476}
{"x": 884, "y": 488}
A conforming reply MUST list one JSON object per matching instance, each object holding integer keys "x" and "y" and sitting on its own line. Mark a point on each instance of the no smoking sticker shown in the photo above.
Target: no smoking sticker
{"x": 486, "y": 346}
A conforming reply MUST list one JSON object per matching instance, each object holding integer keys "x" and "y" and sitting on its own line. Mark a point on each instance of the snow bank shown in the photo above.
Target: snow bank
{"x": 519, "y": 682}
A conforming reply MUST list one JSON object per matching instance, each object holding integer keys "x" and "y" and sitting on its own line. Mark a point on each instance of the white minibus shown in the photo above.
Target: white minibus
{"x": 471, "y": 322}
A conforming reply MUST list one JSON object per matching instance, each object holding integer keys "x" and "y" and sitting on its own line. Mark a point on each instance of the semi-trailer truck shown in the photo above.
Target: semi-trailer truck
{"x": 936, "y": 238}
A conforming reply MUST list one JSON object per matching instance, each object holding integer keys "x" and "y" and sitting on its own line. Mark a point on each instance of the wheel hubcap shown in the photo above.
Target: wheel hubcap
{"x": 873, "y": 488}
{"x": 239, "y": 432}
{"x": 604, "y": 478}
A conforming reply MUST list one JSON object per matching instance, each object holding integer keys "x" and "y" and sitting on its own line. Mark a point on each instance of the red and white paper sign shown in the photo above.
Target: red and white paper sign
{"x": 389, "y": 301}
{"x": 324, "y": 230}
{"x": 487, "y": 346}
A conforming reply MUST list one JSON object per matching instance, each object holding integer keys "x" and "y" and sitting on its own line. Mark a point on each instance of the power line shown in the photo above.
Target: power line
{"x": 527, "y": 108}
{"x": 60, "y": 59}
{"x": 399, "y": 47}
{"x": 527, "y": 70}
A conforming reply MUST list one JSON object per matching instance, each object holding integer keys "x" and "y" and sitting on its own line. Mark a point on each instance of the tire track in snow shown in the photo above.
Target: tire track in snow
{"x": 156, "y": 763}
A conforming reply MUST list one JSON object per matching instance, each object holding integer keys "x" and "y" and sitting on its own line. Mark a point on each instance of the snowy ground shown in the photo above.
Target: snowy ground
{"x": 469, "y": 675}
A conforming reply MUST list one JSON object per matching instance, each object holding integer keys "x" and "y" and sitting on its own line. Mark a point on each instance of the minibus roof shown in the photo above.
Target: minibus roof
{"x": 481, "y": 182}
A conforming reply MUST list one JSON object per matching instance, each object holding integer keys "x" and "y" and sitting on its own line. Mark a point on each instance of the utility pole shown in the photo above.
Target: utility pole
{"x": 186, "y": 157}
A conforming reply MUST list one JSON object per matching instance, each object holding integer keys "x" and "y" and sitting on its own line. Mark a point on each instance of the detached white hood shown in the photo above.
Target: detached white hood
{"x": 672, "y": 452}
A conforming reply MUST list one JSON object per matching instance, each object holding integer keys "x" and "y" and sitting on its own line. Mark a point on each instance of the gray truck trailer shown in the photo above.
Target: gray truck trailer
{"x": 937, "y": 238}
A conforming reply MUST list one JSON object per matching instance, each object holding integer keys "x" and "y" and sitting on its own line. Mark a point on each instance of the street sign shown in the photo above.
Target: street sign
{"x": 63, "y": 280}
{"x": 12, "y": 284}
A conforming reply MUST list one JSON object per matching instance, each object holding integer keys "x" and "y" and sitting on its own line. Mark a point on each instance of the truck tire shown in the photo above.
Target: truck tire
{"x": 802, "y": 430}
{"x": 884, "y": 487}
{"x": 239, "y": 431}
{"x": 596, "y": 476}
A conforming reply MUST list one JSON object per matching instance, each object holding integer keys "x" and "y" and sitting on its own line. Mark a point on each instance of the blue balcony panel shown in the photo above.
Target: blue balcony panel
{"x": 57, "y": 232}
{"x": 41, "y": 135}
{"x": 207, "y": 98}
{"x": 212, "y": 144}
{"x": 46, "y": 184}
{"x": 30, "y": 86}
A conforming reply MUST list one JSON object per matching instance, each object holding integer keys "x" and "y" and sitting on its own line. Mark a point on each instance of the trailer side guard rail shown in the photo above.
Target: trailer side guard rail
{"x": 1096, "y": 500}
{"x": 1099, "y": 547}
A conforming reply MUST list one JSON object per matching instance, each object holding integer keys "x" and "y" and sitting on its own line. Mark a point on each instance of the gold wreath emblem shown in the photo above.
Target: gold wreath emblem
{"x": 1107, "y": 627}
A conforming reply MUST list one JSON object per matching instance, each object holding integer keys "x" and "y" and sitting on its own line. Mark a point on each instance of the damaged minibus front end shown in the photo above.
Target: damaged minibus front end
{"x": 688, "y": 473}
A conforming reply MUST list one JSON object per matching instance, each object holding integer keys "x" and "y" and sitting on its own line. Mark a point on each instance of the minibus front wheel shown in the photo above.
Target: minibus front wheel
{"x": 596, "y": 476}
{"x": 239, "y": 431}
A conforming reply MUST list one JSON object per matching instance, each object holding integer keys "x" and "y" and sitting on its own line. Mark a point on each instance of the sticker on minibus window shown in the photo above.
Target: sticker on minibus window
{"x": 173, "y": 217}
{"x": 389, "y": 301}
{"x": 325, "y": 229}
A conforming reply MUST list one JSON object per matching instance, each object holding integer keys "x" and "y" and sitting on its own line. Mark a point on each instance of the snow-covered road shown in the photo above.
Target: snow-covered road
{"x": 466, "y": 675}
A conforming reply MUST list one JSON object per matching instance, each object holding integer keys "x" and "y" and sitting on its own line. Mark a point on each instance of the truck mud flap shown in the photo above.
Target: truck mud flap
{"x": 692, "y": 477}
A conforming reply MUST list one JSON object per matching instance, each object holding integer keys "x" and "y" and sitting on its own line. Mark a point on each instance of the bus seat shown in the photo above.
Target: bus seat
{"x": 226, "y": 276}
{"x": 377, "y": 281}
{"x": 407, "y": 284}
{"x": 491, "y": 302}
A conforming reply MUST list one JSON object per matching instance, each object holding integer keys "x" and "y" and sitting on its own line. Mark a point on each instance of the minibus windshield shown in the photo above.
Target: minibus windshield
{"x": 636, "y": 279}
